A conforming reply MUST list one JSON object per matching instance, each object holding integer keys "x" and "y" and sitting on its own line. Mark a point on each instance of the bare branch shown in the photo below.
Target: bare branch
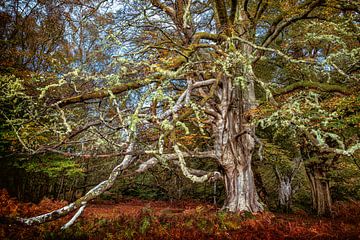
{"x": 274, "y": 31}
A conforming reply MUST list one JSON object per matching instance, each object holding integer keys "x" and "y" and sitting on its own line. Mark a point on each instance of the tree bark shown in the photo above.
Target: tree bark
{"x": 234, "y": 145}
{"x": 235, "y": 160}
{"x": 320, "y": 191}
{"x": 285, "y": 190}
{"x": 240, "y": 189}
{"x": 285, "y": 194}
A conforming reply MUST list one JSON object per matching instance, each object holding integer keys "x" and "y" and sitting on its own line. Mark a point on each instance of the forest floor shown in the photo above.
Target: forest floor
{"x": 137, "y": 219}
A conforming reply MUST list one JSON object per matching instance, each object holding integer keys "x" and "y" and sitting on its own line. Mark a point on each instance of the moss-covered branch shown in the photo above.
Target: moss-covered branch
{"x": 208, "y": 36}
{"x": 324, "y": 87}
{"x": 102, "y": 93}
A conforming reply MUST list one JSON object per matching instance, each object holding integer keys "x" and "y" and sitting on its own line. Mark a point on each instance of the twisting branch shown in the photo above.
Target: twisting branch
{"x": 103, "y": 92}
{"x": 260, "y": 9}
{"x": 173, "y": 156}
{"x": 281, "y": 54}
{"x": 187, "y": 172}
{"x": 284, "y": 22}
{"x": 324, "y": 87}
{"x": 81, "y": 202}
{"x": 168, "y": 10}
{"x": 73, "y": 219}
{"x": 182, "y": 99}
{"x": 323, "y": 147}
{"x": 288, "y": 58}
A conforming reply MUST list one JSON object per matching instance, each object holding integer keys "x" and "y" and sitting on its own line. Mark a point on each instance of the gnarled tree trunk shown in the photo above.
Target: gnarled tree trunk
{"x": 240, "y": 189}
{"x": 234, "y": 145}
{"x": 320, "y": 191}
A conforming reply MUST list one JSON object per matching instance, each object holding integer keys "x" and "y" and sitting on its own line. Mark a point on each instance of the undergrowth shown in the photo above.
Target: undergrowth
{"x": 201, "y": 222}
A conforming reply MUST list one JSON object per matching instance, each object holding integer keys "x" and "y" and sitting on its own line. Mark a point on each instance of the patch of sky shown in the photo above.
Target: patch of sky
{"x": 321, "y": 59}
{"x": 260, "y": 33}
{"x": 24, "y": 8}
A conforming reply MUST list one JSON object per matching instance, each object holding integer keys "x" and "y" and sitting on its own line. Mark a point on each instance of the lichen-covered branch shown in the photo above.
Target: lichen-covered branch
{"x": 173, "y": 156}
{"x": 319, "y": 142}
{"x": 73, "y": 219}
{"x": 81, "y": 202}
{"x": 187, "y": 173}
{"x": 104, "y": 92}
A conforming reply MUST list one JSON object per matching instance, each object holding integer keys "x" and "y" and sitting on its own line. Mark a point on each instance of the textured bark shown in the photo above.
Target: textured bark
{"x": 285, "y": 179}
{"x": 285, "y": 194}
{"x": 320, "y": 191}
{"x": 239, "y": 180}
{"x": 240, "y": 189}
{"x": 234, "y": 145}
{"x": 103, "y": 92}
{"x": 285, "y": 189}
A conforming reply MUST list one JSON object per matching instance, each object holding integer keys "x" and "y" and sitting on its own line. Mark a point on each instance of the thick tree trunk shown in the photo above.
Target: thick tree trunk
{"x": 320, "y": 191}
{"x": 234, "y": 145}
{"x": 240, "y": 190}
{"x": 235, "y": 153}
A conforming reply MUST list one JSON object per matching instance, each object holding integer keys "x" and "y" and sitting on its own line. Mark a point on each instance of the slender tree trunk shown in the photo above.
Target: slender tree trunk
{"x": 320, "y": 191}
{"x": 285, "y": 179}
{"x": 285, "y": 194}
{"x": 285, "y": 190}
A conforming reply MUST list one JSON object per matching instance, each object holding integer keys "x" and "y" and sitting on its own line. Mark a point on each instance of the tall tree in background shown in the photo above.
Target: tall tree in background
{"x": 191, "y": 68}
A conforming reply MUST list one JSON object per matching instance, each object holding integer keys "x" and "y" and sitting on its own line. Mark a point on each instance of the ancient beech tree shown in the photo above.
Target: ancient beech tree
{"x": 183, "y": 68}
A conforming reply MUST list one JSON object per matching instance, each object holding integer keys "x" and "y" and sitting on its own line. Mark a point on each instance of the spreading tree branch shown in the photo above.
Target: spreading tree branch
{"x": 284, "y": 22}
{"x": 324, "y": 87}
{"x": 81, "y": 202}
{"x": 103, "y": 92}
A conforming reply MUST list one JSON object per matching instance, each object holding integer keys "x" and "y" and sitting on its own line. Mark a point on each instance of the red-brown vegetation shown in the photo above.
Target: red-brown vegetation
{"x": 135, "y": 219}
